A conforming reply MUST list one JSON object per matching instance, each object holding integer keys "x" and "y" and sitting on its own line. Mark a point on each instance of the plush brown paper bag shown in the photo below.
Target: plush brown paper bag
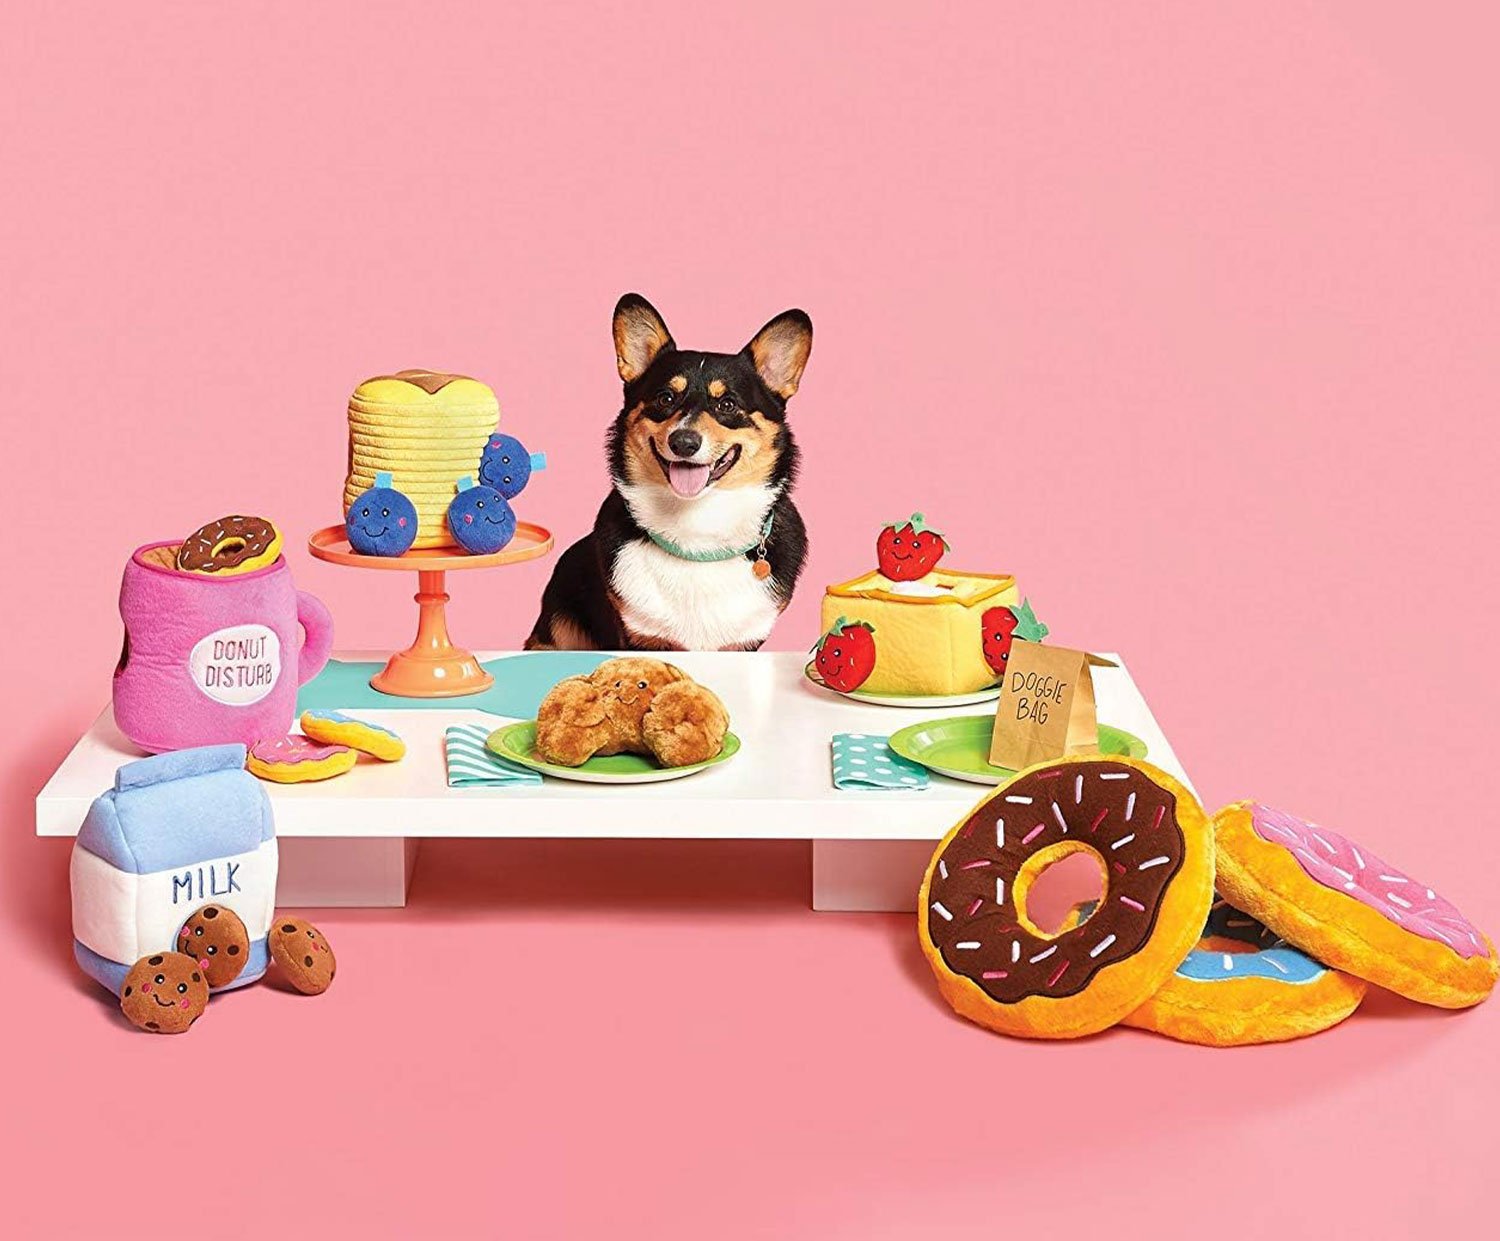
{"x": 1046, "y": 707}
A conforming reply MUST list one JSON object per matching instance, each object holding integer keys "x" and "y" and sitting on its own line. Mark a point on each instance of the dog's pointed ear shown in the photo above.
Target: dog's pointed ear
{"x": 779, "y": 351}
{"x": 640, "y": 334}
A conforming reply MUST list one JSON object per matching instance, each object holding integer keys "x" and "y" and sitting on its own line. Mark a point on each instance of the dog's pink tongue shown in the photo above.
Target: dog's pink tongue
{"x": 686, "y": 478}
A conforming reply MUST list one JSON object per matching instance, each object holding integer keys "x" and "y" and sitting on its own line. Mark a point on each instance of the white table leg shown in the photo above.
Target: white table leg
{"x": 345, "y": 870}
{"x": 868, "y": 876}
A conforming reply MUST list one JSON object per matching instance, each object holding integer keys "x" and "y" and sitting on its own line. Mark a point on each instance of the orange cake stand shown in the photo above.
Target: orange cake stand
{"x": 432, "y": 667}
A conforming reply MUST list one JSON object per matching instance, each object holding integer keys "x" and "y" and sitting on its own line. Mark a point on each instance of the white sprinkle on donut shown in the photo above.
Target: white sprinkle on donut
{"x": 1114, "y": 775}
{"x": 969, "y": 944}
{"x": 1019, "y": 801}
{"x": 1101, "y": 946}
{"x": 1123, "y": 841}
{"x": 999, "y": 889}
{"x": 1015, "y": 950}
{"x": 1078, "y": 790}
{"x": 1043, "y": 954}
{"x": 1150, "y": 862}
{"x": 942, "y": 868}
{"x": 999, "y": 833}
{"x": 1129, "y": 807}
{"x": 937, "y": 908}
{"x": 1058, "y": 815}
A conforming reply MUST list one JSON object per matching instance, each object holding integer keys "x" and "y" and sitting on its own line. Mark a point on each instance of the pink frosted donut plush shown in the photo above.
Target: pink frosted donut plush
{"x": 1350, "y": 909}
{"x": 294, "y": 759}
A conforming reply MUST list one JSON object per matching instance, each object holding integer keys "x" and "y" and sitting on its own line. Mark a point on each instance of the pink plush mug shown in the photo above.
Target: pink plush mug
{"x": 211, "y": 660}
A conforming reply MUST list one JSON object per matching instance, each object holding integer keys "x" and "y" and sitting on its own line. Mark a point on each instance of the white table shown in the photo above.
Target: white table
{"x": 353, "y": 840}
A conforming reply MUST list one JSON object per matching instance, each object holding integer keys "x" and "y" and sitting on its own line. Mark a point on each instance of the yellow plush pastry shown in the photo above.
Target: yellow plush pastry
{"x": 1347, "y": 907}
{"x": 929, "y": 633}
{"x": 1242, "y": 984}
{"x": 427, "y": 429}
{"x": 1155, "y": 852}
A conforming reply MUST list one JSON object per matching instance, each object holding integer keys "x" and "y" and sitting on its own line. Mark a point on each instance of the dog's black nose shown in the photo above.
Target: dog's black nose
{"x": 684, "y": 442}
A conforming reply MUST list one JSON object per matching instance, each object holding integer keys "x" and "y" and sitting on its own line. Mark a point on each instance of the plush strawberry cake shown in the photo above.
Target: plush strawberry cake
{"x": 913, "y": 627}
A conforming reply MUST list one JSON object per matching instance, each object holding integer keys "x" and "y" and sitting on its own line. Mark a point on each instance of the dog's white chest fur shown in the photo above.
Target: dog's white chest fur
{"x": 696, "y": 605}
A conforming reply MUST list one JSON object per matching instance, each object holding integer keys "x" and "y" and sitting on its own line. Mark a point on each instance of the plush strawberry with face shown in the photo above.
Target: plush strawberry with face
{"x": 999, "y": 627}
{"x": 907, "y": 550}
{"x": 846, "y": 654}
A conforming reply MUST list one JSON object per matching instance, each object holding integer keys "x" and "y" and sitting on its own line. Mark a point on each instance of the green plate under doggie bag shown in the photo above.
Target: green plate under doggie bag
{"x": 959, "y": 746}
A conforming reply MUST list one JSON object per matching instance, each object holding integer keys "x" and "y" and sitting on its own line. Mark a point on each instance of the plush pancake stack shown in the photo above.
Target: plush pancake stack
{"x": 427, "y": 430}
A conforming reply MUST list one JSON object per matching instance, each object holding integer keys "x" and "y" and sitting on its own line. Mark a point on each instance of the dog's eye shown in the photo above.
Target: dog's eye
{"x": 727, "y": 405}
{"x": 480, "y": 503}
{"x": 640, "y": 685}
{"x": 666, "y": 397}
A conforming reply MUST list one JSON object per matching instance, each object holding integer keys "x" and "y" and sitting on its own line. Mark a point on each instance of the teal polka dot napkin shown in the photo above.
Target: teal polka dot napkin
{"x": 861, "y": 761}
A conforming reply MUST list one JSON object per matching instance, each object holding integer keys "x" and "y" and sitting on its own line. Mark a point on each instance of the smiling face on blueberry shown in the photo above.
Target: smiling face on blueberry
{"x": 480, "y": 518}
{"x": 505, "y": 466}
{"x": 382, "y": 522}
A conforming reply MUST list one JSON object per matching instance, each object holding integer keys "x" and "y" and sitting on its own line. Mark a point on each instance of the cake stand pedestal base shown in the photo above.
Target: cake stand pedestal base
{"x": 432, "y": 667}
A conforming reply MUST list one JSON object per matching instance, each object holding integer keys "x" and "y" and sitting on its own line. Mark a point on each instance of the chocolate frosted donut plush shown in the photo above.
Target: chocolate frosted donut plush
{"x": 231, "y": 545}
{"x": 1243, "y": 984}
{"x": 1154, "y": 848}
{"x": 1346, "y": 906}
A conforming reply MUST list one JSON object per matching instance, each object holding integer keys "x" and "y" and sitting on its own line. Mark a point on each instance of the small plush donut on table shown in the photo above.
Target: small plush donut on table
{"x": 229, "y": 546}
{"x": 337, "y": 729}
{"x": 995, "y": 966}
{"x": 1242, "y": 984}
{"x": 1347, "y": 907}
{"x": 296, "y": 759}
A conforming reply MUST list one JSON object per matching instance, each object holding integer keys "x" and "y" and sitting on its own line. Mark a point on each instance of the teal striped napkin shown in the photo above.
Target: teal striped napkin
{"x": 861, "y": 761}
{"x": 470, "y": 765}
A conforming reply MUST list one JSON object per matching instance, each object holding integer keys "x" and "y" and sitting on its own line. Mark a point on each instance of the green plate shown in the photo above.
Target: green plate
{"x": 960, "y": 747}
{"x": 517, "y": 742}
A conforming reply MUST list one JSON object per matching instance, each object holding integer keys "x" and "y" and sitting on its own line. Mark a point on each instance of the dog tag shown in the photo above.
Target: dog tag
{"x": 762, "y": 569}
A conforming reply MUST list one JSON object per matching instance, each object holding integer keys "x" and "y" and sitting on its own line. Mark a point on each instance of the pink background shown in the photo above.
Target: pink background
{"x": 1184, "y": 313}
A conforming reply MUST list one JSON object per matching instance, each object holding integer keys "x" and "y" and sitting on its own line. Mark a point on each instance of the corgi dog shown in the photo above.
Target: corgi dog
{"x": 698, "y": 544}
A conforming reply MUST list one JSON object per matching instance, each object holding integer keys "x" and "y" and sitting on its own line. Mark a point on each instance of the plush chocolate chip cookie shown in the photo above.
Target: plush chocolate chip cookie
{"x": 216, "y": 938}
{"x": 164, "y": 993}
{"x": 303, "y": 954}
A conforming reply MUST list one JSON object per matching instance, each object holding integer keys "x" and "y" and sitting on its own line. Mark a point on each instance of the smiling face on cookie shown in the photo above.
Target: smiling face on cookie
{"x": 164, "y": 993}
{"x": 216, "y": 938}
{"x": 304, "y": 955}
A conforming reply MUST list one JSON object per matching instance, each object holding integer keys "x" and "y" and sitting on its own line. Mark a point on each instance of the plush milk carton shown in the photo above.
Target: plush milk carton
{"x": 177, "y": 832}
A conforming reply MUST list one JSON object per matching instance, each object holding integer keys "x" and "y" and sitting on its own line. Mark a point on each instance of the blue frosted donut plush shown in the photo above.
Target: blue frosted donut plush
{"x": 1243, "y": 984}
{"x": 480, "y": 518}
{"x": 507, "y": 466}
{"x": 382, "y": 522}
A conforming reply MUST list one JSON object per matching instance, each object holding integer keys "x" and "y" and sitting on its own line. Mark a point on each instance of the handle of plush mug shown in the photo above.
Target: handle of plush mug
{"x": 317, "y": 636}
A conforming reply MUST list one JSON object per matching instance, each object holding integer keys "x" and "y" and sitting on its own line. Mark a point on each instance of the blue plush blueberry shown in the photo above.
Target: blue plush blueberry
{"x": 480, "y": 518}
{"x": 382, "y": 522}
{"x": 506, "y": 465}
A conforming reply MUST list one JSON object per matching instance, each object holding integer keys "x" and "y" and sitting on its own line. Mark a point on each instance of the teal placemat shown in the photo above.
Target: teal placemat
{"x": 861, "y": 761}
{"x": 470, "y": 765}
{"x": 521, "y": 682}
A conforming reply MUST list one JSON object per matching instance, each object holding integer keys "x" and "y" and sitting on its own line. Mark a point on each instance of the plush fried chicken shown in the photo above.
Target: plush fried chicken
{"x": 631, "y": 706}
